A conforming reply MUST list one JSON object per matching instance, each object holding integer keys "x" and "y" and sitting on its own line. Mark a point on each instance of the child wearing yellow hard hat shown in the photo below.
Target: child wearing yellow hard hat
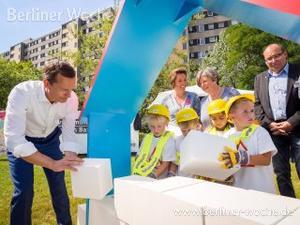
{"x": 158, "y": 147}
{"x": 187, "y": 119}
{"x": 254, "y": 147}
{"x": 219, "y": 123}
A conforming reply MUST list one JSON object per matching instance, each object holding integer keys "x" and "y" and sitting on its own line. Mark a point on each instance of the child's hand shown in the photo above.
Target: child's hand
{"x": 230, "y": 157}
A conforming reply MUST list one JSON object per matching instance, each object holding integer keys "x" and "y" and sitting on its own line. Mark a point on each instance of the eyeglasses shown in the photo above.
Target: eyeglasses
{"x": 274, "y": 57}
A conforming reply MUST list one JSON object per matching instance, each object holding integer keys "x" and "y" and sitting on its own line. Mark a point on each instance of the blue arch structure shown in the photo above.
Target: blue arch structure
{"x": 143, "y": 36}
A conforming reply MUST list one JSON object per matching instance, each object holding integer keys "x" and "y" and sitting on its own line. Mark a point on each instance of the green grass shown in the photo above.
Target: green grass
{"x": 42, "y": 212}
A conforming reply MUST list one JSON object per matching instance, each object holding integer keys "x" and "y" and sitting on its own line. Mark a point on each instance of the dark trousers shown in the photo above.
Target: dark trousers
{"x": 22, "y": 177}
{"x": 288, "y": 147}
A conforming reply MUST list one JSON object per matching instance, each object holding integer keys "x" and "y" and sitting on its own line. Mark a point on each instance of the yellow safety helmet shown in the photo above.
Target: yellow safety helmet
{"x": 186, "y": 115}
{"x": 235, "y": 98}
{"x": 158, "y": 109}
{"x": 216, "y": 106}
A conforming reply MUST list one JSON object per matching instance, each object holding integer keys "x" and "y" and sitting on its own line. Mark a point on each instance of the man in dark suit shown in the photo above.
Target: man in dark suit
{"x": 277, "y": 107}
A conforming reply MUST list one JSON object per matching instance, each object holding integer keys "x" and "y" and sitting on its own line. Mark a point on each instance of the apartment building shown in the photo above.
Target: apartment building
{"x": 43, "y": 50}
{"x": 199, "y": 38}
{"x": 203, "y": 32}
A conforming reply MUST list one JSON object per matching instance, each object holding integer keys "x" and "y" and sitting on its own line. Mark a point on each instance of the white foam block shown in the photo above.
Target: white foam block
{"x": 81, "y": 210}
{"x": 92, "y": 179}
{"x": 153, "y": 208}
{"x": 222, "y": 204}
{"x": 292, "y": 219}
{"x": 102, "y": 212}
{"x": 124, "y": 195}
{"x": 199, "y": 155}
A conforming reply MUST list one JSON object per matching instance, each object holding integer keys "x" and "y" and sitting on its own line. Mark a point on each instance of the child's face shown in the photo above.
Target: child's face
{"x": 243, "y": 115}
{"x": 218, "y": 120}
{"x": 157, "y": 126}
{"x": 187, "y": 126}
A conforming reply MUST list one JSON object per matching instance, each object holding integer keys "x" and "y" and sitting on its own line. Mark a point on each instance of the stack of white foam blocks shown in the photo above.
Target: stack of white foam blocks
{"x": 178, "y": 200}
{"x": 187, "y": 201}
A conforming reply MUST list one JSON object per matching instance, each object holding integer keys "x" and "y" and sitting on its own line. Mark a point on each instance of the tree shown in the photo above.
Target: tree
{"x": 12, "y": 73}
{"x": 89, "y": 52}
{"x": 238, "y": 55}
{"x": 162, "y": 83}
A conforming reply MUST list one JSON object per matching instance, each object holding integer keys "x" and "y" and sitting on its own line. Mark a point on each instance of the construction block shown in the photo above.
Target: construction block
{"x": 102, "y": 212}
{"x": 124, "y": 194}
{"x": 291, "y": 219}
{"x": 134, "y": 199}
{"x": 93, "y": 179}
{"x": 199, "y": 155}
{"x": 81, "y": 210}
{"x": 227, "y": 205}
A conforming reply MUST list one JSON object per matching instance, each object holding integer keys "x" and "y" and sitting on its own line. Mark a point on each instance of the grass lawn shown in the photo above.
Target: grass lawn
{"x": 42, "y": 212}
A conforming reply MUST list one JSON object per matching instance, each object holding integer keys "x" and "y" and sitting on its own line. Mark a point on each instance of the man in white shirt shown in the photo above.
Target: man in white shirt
{"x": 31, "y": 133}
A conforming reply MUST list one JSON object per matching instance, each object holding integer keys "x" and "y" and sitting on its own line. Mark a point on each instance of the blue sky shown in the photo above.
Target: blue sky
{"x": 22, "y": 19}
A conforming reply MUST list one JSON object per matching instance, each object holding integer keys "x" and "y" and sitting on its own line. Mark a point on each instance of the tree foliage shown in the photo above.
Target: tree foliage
{"x": 12, "y": 73}
{"x": 238, "y": 55}
{"x": 90, "y": 50}
{"x": 177, "y": 58}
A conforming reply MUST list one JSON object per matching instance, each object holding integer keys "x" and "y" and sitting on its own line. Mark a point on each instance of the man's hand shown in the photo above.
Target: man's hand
{"x": 70, "y": 155}
{"x": 285, "y": 126}
{"x": 66, "y": 163}
{"x": 282, "y": 128}
{"x": 69, "y": 162}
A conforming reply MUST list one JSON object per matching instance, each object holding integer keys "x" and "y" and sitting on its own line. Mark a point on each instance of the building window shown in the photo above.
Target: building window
{"x": 210, "y": 26}
{"x": 43, "y": 55}
{"x": 194, "y": 55}
{"x": 42, "y": 63}
{"x": 184, "y": 46}
{"x": 210, "y": 13}
{"x": 221, "y": 25}
{"x": 64, "y": 44}
{"x": 64, "y": 35}
{"x": 193, "y": 42}
{"x": 43, "y": 47}
{"x": 202, "y": 55}
{"x": 12, "y": 55}
{"x": 201, "y": 41}
{"x": 212, "y": 39}
{"x": 43, "y": 39}
{"x": 201, "y": 28}
{"x": 90, "y": 29}
{"x": 192, "y": 29}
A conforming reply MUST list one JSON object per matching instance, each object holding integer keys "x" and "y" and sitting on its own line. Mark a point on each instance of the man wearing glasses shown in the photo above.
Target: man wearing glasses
{"x": 277, "y": 107}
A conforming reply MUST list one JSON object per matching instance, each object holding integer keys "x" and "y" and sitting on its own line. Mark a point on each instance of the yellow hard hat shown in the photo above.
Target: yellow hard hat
{"x": 216, "y": 106}
{"x": 186, "y": 115}
{"x": 158, "y": 109}
{"x": 235, "y": 98}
